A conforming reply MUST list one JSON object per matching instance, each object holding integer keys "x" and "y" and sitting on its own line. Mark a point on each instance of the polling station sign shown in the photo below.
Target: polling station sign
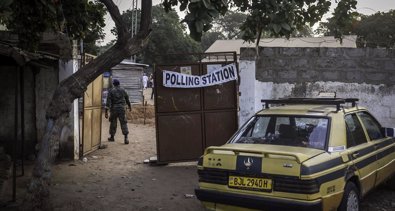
{"x": 218, "y": 76}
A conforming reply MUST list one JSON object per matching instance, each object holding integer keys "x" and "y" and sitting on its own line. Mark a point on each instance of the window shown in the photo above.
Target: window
{"x": 372, "y": 126}
{"x": 355, "y": 133}
{"x": 297, "y": 131}
{"x": 315, "y": 129}
{"x": 281, "y": 121}
{"x": 260, "y": 127}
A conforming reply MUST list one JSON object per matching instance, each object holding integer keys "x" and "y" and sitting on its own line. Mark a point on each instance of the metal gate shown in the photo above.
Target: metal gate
{"x": 189, "y": 120}
{"x": 92, "y": 115}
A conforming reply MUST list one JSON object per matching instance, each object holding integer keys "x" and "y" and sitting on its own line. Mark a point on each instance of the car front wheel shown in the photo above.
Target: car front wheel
{"x": 350, "y": 201}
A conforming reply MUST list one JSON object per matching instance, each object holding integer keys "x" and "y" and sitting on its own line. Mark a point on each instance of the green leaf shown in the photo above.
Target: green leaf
{"x": 286, "y": 26}
{"x": 207, "y": 3}
{"x": 276, "y": 28}
{"x": 183, "y": 6}
{"x": 213, "y": 13}
{"x": 5, "y": 3}
{"x": 199, "y": 26}
{"x": 207, "y": 27}
{"x": 189, "y": 18}
{"x": 51, "y": 8}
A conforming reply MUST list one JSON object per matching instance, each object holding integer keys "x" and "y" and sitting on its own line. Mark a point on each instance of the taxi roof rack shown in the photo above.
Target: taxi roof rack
{"x": 315, "y": 101}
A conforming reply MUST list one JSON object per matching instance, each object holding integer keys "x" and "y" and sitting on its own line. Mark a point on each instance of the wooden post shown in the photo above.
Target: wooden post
{"x": 145, "y": 108}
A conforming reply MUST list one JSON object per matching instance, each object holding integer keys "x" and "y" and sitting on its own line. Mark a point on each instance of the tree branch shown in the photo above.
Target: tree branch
{"x": 146, "y": 19}
{"x": 117, "y": 18}
{"x": 126, "y": 45}
{"x": 141, "y": 38}
{"x": 258, "y": 40}
{"x": 74, "y": 87}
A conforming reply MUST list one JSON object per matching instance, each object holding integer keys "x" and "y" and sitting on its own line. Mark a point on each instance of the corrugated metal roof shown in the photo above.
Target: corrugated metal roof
{"x": 21, "y": 57}
{"x": 130, "y": 63}
{"x": 313, "y": 42}
{"x": 130, "y": 75}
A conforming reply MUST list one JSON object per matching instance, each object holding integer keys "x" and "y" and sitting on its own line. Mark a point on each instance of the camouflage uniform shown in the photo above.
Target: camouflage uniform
{"x": 117, "y": 98}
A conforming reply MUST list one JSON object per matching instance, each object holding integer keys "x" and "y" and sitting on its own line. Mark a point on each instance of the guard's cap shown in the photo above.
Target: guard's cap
{"x": 115, "y": 82}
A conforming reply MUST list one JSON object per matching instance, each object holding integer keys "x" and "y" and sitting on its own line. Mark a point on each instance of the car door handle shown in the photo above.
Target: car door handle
{"x": 355, "y": 154}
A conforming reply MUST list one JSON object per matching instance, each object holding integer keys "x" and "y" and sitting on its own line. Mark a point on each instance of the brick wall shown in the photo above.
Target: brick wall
{"x": 368, "y": 74}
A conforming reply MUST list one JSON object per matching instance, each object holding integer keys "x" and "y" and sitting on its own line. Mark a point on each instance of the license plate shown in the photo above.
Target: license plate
{"x": 251, "y": 183}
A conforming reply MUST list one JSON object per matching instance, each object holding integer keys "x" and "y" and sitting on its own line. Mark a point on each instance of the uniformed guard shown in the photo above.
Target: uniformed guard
{"x": 117, "y": 99}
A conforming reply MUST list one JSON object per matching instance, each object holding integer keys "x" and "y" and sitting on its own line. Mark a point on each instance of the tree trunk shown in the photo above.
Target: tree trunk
{"x": 38, "y": 197}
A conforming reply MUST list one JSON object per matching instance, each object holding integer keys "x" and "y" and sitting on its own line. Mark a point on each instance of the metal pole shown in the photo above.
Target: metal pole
{"x": 22, "y": 99}
{"x": 133, "y": 10}
{"x": 35, "y": 71}
{"x": 82, "y": 63}
{"x": 15, "y": 136}
{"x": 134, "y": 24}
{"x": 135, "y": 18}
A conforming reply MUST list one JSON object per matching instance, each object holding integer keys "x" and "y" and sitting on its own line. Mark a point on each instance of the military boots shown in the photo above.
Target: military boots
{"x": 111, "y": 138}
{"x": 126, "y": 139}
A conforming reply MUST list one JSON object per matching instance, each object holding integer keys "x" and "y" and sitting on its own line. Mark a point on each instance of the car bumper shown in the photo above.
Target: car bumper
{"x": 255, "y": 202}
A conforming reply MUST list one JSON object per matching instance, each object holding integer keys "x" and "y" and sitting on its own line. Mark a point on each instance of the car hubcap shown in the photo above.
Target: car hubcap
{"x": 352, "y": 202}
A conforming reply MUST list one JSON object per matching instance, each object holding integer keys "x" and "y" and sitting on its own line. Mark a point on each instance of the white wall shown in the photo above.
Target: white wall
{"x": 67, "y": 68}
{"x": 247, "y": 90}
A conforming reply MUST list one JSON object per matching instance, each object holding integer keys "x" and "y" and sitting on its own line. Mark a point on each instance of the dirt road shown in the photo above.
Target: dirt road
{"x": 115, "y": 178}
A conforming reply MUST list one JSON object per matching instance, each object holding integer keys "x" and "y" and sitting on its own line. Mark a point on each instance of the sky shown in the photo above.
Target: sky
{"x": 364, "y": 6}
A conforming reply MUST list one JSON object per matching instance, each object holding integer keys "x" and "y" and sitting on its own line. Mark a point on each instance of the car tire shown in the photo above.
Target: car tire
{"x": 350, "y": 200}
{"x": 390, "y": 184}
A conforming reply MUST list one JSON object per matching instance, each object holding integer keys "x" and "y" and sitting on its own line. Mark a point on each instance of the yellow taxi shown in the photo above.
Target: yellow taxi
{"x": 298, "y": 154}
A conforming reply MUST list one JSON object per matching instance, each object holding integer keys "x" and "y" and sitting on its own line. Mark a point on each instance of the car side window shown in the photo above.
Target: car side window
{"x": 355, "y": 133}
{"x": 260, "y": 127}
{"x": 281, "y": 121}
{"x": 371, "y": 125}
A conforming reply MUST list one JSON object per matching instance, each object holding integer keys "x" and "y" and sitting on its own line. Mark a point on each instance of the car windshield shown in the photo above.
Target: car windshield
{"x": 297, "y": 131}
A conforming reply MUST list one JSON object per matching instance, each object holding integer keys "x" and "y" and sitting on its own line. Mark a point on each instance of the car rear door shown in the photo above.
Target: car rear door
{"x": 361, "y": 152}
{"x": 384, "y": 146}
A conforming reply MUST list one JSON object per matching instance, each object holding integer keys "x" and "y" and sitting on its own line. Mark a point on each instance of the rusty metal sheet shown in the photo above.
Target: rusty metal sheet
{"x": 219, "y": 127}
{"x": 222, "y": 96}
{"x": 176, "y": 100}
{"x": 189, "y": 120}
{"x": 181, "y": 135}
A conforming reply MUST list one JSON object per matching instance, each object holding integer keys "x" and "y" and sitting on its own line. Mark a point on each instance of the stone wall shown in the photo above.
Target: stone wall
{"x": 367, "y": 74}
{"x": 69, "y": 138}
{"x": 47, "y": 80}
